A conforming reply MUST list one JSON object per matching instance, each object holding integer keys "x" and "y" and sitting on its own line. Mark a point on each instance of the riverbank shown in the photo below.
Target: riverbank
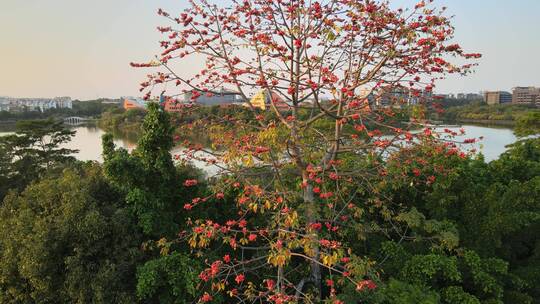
{"x": 485, "y": 122}
{"x": 122, "y": 122}
{"x": 504, "y": 115}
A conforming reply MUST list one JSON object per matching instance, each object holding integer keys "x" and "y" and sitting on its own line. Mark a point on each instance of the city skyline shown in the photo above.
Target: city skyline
{"x": 83, "y": 50}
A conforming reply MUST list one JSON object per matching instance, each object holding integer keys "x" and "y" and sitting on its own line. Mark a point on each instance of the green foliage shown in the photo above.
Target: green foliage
{"x": 456, "y": 295}
{"x": 31, "y": 151}
{"x": 68, "y": 239}
{"x": 482, "y": 111}
{"x": 396, "y": 291}
{"x": 495, "y": 208}
{"x": 168, "y": 279}
{"x": 151, "y": 188}
{"x": 528, "y": 124}
{"x": 119, "y": 120}
{"x": 148, "y": 176}
{"x": 430, "y": 269}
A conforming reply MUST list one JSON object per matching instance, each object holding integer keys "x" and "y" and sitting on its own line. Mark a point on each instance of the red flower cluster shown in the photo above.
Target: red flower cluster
{"x": 190, "y": 182}
{"x": 369, "y": 284}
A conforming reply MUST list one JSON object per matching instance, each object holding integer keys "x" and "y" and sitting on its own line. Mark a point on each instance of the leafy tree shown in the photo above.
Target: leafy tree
{"x": 528, "y": 124}
{"x": 151, "y": 188}
{"x": 495, "y": 211}
{"x": 293, "y": 168}
{"x": 148, "y": 176}
{"x": 170, "y": 279}
{"x": 35, "y": 147}
{"x": 68, "y": 239}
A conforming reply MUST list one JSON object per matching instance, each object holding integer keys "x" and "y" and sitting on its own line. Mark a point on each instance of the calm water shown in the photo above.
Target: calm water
{"x": 494, "y": 142}
{"x": 88, "y": 141}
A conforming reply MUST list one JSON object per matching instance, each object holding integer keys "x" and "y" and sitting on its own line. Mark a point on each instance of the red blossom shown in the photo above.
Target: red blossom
{"x": 333, "y": 176}
{"x": 270, "y": 284}
{"x": 206, "y": 298}
{"x": 239, "y": 278}
{"x": 369, "y": 284}
{"x": 190, "y": 182}
{"x": 316, "y": 226}
{"x": 264, "y": 46}
{"x": 326, "y": 195}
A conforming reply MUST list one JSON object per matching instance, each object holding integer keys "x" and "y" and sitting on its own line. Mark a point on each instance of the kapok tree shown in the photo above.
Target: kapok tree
{"x": 344, "y": 69}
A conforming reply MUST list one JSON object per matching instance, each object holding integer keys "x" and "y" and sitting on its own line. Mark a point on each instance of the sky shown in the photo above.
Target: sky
{"x": 82, "y": 48}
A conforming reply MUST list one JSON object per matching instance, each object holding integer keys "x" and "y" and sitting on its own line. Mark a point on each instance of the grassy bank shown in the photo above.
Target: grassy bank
{"x": 118, "y": 120}
{"x": 481, "y": 113}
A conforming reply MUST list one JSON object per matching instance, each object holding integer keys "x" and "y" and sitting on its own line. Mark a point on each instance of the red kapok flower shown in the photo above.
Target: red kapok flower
{"x": 190, "y": 182}
{"x": 206, "y": 298}
{"x": 270, "y": 284}
{"x": 369, "y": 284}
{"x": 240, "y": 278}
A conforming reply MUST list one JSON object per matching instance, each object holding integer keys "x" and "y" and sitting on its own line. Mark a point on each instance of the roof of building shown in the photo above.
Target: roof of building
{"x": 136, "y": 100}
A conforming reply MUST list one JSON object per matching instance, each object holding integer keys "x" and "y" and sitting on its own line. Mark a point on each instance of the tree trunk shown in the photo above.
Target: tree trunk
{"x": 309, "y": 201}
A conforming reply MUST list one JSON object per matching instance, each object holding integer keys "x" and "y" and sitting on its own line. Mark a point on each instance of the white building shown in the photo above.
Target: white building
{"x": 34, "y": 104}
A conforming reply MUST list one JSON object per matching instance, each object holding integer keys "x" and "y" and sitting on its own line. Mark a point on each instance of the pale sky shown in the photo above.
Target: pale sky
{"x": 82, "y": 48}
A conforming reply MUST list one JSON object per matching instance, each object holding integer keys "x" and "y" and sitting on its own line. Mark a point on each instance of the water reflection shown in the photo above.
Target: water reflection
{"x": 494, "y": 142}
{"x": 88, "y": 141}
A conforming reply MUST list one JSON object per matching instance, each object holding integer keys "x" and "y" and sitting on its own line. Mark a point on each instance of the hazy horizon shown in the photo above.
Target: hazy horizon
{"x": 83, "y": 49}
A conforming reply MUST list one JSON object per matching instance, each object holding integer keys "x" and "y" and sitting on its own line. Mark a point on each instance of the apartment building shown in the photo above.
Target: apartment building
{"x": 497, "y": 97}
{"x": 526, "y": 95}
{"x": 34, "y": 104}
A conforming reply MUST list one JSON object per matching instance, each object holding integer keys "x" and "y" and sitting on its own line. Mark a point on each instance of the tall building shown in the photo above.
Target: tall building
{"x": 526, "y": 95}
{"x": 497, "y": 97}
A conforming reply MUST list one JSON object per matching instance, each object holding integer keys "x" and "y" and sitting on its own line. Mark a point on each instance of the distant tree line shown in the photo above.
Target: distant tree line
{"x": 480, "y": 111}
{"x": 89, "y": 108}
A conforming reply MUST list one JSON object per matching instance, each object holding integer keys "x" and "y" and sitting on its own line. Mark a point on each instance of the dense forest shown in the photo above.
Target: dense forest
{"x": 74, "y": 232}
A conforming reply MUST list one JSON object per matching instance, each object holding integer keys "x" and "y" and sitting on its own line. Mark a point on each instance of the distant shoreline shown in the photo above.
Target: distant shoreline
{"x": 487, "y": 122}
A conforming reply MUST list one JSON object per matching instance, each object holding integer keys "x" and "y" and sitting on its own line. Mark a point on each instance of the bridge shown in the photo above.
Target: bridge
{"x": 75, "y": 120}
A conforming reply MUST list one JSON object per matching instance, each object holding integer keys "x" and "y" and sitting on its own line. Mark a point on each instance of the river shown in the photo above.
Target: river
{"x": 87, "y": 140}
